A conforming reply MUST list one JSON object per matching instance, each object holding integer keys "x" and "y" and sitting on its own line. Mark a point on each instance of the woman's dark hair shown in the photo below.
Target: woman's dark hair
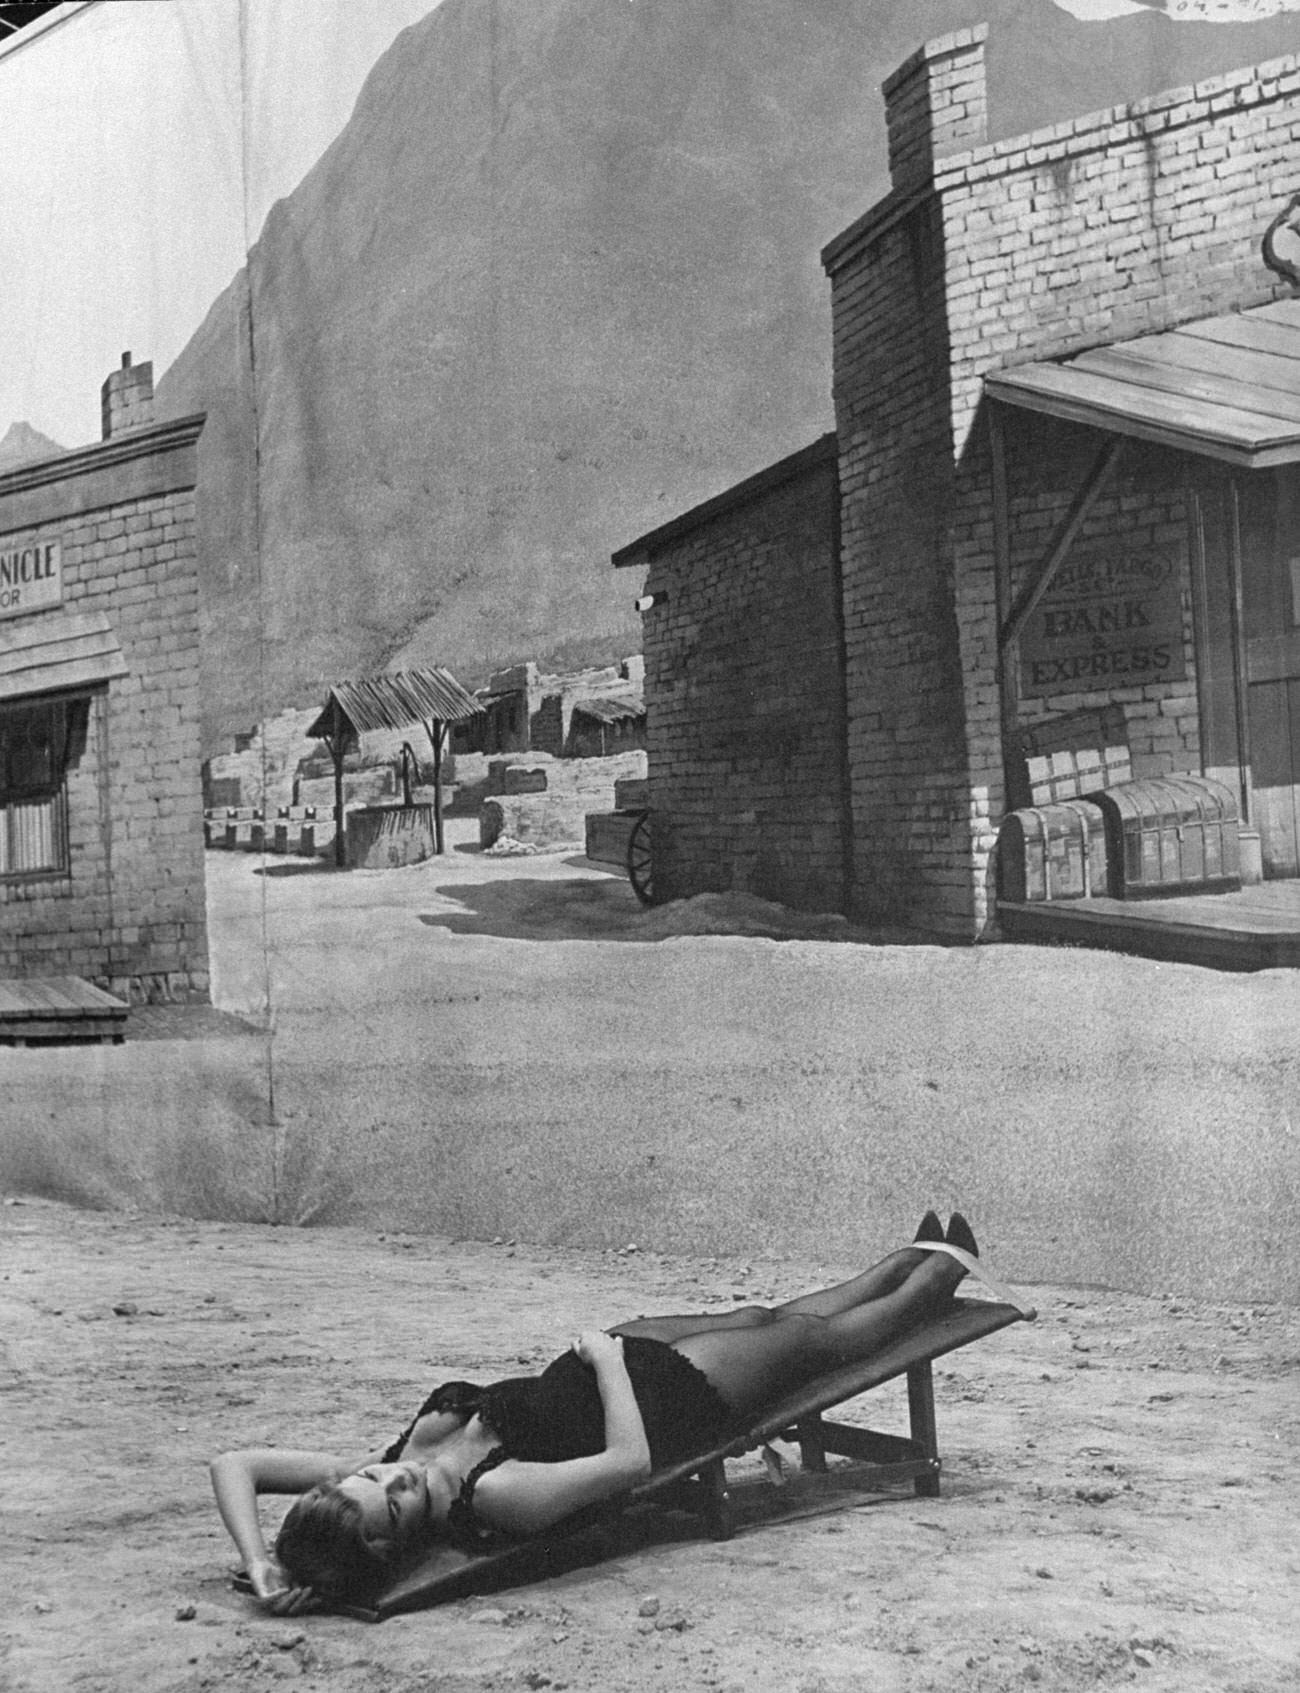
{"x": 322, "y": 1544}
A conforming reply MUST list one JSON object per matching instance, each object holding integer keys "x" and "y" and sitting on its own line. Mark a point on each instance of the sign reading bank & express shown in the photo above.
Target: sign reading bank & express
{"x": 31, "y": 577}
{"x": 1105, "y": 623}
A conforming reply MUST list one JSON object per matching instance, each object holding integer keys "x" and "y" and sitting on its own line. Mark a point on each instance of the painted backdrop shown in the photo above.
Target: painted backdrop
{"x": 473, "y": 293}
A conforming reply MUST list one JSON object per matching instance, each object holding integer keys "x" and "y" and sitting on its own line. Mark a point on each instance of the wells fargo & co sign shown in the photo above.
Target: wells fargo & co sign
{"x": 1106, "y": 623}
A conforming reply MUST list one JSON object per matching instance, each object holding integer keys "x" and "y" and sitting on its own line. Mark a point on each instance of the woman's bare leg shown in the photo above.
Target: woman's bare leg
{"x": 890, "y": 1273}
{"x": 750, "y": 1366}
{"x": 673, "y": 1329}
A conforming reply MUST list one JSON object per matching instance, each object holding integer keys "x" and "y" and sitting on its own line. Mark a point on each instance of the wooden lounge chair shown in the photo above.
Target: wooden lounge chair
{"x": 699, "y": 1484}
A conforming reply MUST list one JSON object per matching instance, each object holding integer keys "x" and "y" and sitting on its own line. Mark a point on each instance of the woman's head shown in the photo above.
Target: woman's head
{"x": 341, "y": 1540}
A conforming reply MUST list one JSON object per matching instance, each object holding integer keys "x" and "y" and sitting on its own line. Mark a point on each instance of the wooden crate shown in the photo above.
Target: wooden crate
{"x": 607, "y": 835}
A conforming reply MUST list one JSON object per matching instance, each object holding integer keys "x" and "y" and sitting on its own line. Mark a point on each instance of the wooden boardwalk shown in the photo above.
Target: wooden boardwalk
{"x": 58, "y": 1008}
{"x": 1255, "y": 929}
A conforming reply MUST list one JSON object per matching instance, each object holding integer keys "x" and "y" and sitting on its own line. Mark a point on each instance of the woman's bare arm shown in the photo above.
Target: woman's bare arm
{"x": 237, "y": 1480}
{"x": 524, "y": 1498}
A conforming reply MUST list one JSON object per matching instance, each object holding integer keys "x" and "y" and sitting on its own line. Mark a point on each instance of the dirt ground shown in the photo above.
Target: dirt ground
{"x": 1120, "y": 1479}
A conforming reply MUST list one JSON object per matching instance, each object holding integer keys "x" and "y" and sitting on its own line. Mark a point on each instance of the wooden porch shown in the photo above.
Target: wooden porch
{"x": 1257, "y": 928}
{"x": 1220, "y": 394}
{"x": 59, "y": 1008}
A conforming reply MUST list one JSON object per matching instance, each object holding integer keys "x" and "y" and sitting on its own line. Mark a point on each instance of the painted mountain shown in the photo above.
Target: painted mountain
{"x": 556, "y": 281}
{"x": 21, "y": 444}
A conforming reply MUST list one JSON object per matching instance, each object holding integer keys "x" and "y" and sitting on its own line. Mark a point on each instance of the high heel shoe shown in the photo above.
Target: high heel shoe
{"x": 929, "y": 1228}
{"x": 967, "y": 1257}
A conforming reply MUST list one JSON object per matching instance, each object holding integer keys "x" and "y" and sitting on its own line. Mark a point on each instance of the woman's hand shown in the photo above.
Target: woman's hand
{"x": 275, "y": 1592}
{"x": 525, "y": 1498}
{"x": 237, "y": 1479}
{"x": 595, "y": 1347}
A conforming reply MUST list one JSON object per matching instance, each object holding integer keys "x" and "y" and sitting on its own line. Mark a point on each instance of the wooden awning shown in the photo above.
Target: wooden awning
{"x": 1225, "y": 388}
{"x": 54, "y": 651}
{"x": 609, "y": 708}
{"x": 395, "y": 702}
{"x": 433, "y": 698}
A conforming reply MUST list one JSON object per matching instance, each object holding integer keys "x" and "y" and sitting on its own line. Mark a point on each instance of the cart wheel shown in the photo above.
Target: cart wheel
{"x": 640, "y": 868}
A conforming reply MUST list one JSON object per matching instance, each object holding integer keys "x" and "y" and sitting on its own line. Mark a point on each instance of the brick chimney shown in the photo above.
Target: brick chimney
{"x": 126, "y": 399}
{"x": 935, "y": 104}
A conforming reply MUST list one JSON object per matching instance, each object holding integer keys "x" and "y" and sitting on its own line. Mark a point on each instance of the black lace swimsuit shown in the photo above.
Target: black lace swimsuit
{"x": 558, "y": 1415}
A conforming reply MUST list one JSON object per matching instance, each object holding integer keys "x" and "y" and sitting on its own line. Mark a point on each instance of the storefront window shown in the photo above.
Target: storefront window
{"x": 34, "y": 745}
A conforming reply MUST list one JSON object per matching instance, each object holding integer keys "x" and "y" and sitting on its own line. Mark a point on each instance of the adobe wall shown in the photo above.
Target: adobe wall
{"x": 533, "y": 712}
{"x": 744, "y": 691}
{"x": 1100, "y": 228}
{"x": 129, "y": 913}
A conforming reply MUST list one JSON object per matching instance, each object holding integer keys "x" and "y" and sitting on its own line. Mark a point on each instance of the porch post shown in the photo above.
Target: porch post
{"x": 1238, "y": 630}
{"x": 1008, "y": 655}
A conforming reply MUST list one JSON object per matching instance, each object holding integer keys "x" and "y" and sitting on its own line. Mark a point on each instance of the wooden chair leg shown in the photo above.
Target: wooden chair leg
{"x": 920, "y": 1407}
{"x": 812, "y": 1447}
{"x": 718, "y": 1513}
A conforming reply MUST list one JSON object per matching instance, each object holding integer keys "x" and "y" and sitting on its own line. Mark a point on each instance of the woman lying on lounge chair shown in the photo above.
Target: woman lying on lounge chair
{"x": 478, "y": 1465}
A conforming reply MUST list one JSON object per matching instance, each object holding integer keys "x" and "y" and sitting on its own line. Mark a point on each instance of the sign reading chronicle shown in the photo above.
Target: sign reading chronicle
{"x": 1106, "y": 623}
{"x": 30, "y": 578}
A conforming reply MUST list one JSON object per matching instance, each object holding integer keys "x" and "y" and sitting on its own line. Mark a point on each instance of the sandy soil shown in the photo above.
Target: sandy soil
{"x": 1118, "y": 1506}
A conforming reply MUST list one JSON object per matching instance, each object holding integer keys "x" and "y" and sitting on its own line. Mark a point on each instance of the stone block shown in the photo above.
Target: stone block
{"x": 544, "y": 821}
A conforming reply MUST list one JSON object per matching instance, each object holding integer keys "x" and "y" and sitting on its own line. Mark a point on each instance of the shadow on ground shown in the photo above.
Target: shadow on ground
{"x": 299, "y": 867}
{"x": 186, "y": 1022}
{"x": 526, "y": 910}
{"x": 607, "y": 909}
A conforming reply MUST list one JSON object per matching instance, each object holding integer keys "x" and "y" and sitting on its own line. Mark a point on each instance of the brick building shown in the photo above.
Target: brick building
{"x": 745, "y": 689}
{"x": 101, "y": 816}
{"x": 1067, "y": 437}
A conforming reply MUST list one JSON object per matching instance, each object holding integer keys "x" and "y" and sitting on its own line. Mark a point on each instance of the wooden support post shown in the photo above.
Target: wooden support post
{"x": 717, "y": 1500}
{"x": 1240, "y": 674}
{"x": 1014, "y": 783}
{"x": 812, "y": 1447}
{"x": 1073, "y": 521}
{"x": 436, "y": 730}
{"x": 335, "y": 744}
{"x": 1200, "y": 601}
{"x": 920, "y": 1408}
{"x": 1012, "y": 625}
